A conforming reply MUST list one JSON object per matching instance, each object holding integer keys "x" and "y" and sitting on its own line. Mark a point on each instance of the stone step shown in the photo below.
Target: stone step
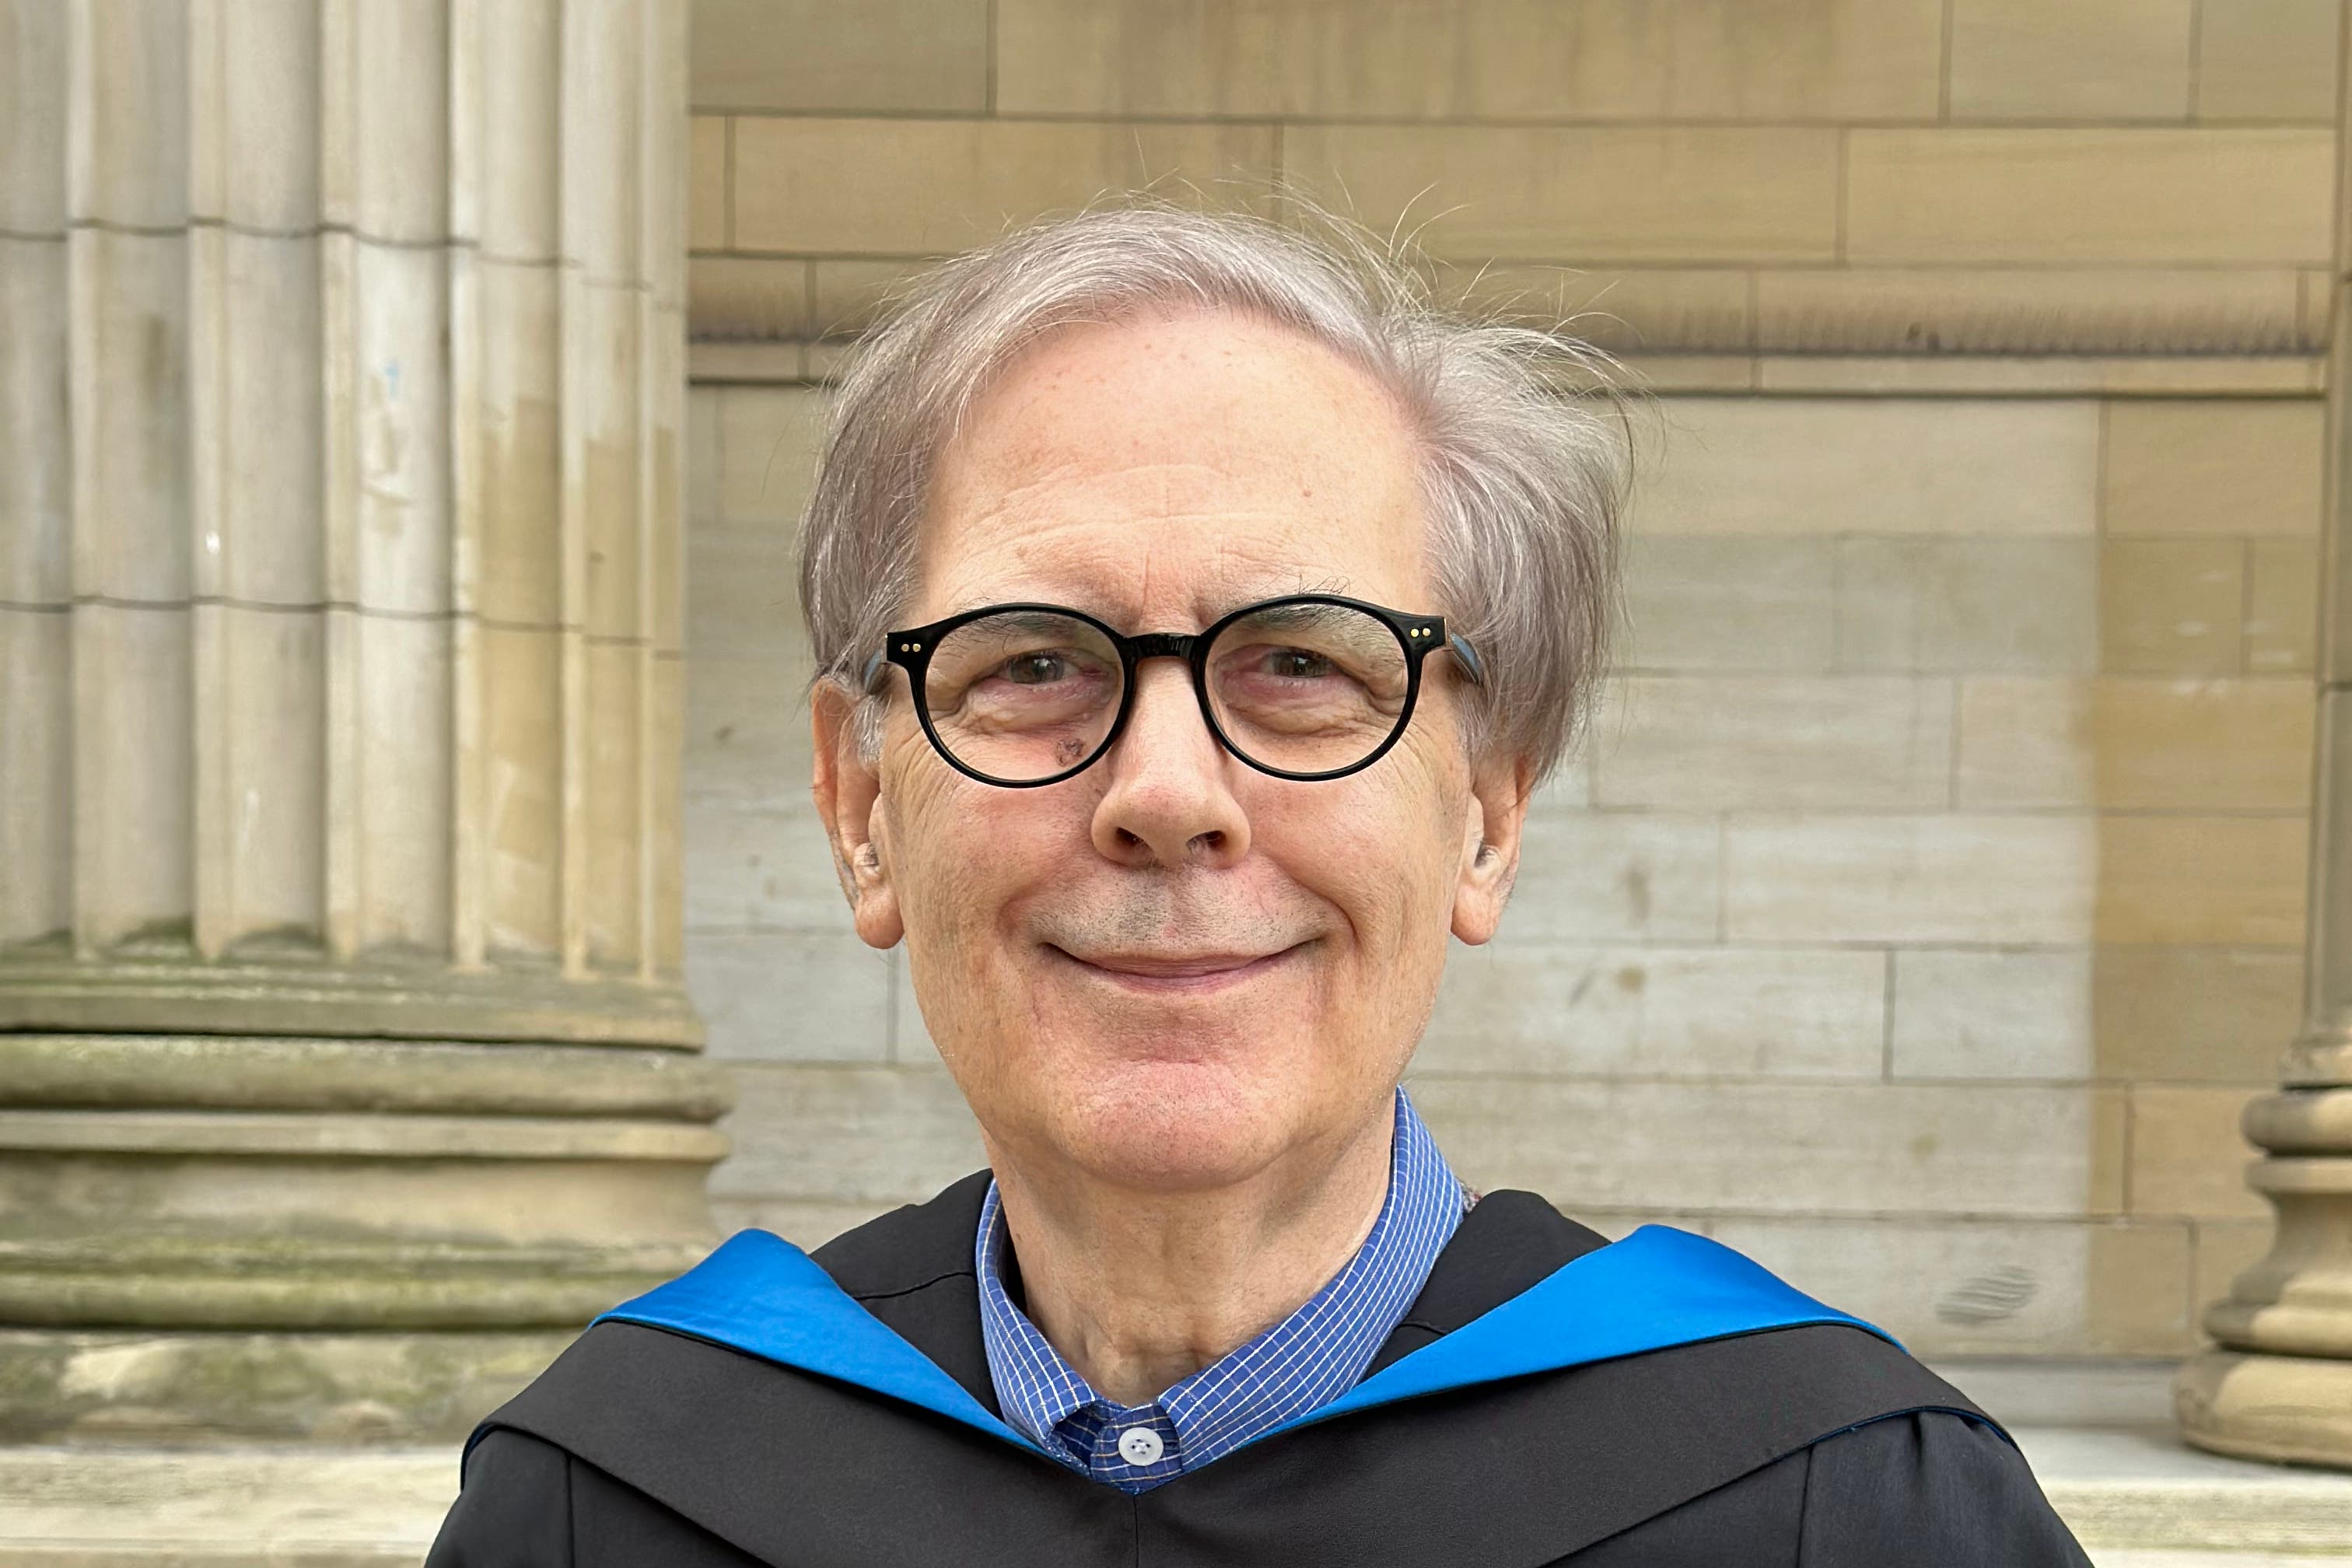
{"x": 2136, "y": 1495}
{"x": 2130, "y": 1491}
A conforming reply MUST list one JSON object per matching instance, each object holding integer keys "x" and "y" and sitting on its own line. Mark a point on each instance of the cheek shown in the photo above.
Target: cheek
{"x": 1385, "y": 859}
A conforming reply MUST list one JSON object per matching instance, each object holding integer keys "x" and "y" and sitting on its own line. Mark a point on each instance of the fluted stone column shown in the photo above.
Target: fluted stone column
{"x": 344, "y": 1061}
{"x": 2279, "y": 1385}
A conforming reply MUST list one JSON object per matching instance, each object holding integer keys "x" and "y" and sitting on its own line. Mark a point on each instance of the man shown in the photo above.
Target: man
{"x": 1195, "y": 611}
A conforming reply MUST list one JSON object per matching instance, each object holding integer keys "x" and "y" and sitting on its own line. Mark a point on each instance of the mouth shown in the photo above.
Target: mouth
{"x": 1190, "y": 975}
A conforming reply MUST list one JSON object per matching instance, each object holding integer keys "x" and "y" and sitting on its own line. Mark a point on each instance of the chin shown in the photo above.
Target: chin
{"x": 1175, "y": 1126}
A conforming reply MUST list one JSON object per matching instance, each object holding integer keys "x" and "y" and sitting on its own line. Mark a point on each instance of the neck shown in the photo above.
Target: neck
{"x": 1139, "y": 1289}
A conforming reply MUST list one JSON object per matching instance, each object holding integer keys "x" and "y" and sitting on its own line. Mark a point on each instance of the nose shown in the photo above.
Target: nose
{"x": 1168, "y": 800}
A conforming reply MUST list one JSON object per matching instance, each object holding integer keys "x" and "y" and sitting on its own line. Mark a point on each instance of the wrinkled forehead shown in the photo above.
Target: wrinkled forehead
{"x": 1175, "y": 466}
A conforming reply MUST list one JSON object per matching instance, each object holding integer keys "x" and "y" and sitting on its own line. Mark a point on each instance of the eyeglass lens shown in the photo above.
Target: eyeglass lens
{"x": 1298, "y": 688}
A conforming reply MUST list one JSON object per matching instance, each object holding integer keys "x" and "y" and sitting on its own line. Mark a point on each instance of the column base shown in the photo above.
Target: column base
{"x": 2296, "y": 1409}
{"x": 80, "y": 1386}
{"x": 214, "y": 1183}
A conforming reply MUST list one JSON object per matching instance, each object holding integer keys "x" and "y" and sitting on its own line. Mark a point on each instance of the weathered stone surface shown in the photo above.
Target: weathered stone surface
{"x": 271, "y": 1073}
{"x": 2064, "y": 196}
{"x": 88, "y": 1385}
{"x": 2279, "y": 1407}
{"x": 1496, "y": 60}
{"x": 2092, "y": 60}
{"x": 1891, "y": 466}
{"x": 1520, "y": 1006}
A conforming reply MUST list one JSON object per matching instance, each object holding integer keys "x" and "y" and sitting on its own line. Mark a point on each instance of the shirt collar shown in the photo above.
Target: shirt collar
{"x": 1309, "y": 1358}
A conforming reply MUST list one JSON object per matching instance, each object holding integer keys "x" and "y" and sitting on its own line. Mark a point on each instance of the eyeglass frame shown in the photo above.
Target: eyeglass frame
{"x": 1417, "y": 635}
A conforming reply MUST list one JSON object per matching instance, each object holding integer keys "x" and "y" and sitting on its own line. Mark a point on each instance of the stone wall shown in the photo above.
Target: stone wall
{"x": 1929, "y": 898}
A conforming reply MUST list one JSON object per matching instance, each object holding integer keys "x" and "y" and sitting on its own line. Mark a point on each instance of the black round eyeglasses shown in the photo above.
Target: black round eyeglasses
{"x": 1308, "y": 687}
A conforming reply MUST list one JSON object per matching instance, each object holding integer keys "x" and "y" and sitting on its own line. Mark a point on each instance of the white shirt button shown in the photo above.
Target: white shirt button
{"x": 1140, "y": 1446}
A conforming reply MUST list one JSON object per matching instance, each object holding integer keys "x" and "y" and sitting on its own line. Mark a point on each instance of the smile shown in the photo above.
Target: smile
{"x": 1190, "y": 976}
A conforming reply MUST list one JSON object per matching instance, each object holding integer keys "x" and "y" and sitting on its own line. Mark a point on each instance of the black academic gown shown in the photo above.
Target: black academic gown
{"x": 695, "y": 1434}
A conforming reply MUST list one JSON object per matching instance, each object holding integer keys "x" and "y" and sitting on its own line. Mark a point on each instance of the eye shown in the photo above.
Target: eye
{"x": 1296, "y": 664}
{"x": 1035, "y": 669}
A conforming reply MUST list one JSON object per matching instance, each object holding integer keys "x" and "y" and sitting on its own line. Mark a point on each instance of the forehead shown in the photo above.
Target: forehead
{"x": 1175, "y": 466}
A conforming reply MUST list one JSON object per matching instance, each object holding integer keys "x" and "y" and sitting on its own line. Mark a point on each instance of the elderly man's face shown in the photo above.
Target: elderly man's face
{"x": 1172, "y": 971}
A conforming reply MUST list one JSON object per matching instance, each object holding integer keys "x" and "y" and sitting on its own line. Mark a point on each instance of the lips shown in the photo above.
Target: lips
{"x": 1177, "y": 974}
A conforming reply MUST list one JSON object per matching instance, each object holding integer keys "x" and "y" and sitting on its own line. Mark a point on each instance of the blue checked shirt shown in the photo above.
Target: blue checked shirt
{"x": 1308, "y": 1359}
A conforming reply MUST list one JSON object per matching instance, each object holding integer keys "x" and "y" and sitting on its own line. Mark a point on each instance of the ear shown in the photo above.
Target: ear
{"x": 1497, "y": 810}
{"x": 848, "y": 790}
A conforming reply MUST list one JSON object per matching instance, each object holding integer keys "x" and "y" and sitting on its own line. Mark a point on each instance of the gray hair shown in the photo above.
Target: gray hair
{"x": 1522, "y": 479}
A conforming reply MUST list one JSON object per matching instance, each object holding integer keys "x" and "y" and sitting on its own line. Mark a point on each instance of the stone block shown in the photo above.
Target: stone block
{"x": 759, "y": 862}
{"x": 799, "y": 56}
{"x": 1516, "y": 1006}
{"x": 1596, "y": 194}
{"x": 2186, "y": 1154}
{"x": 1949, "y": 878}
{"x": 2220, "y": 881}
{"x": 2209, "y": 466}
{"x": 755, "y": 298}
{"x": 36, "y": 756}
{"x": 254, "y": 417}
{"x": 1712, "y": 603}
{"x": 2092, "y": 60}
{"x": 845, "y": 1135}
{"x": 608, "y": 899}
{"x": 789, "y": 995}
{"x": 395, "y": 389}
{"x": 768, "y": 437}
{"x": 37, "y": 38}
{"x": 1974, "y": 1286}
{"x": 385, "y": 166}
{"x": 2282, "y": 606}
{"x": 2024, "y": 607}
{"x": 2166, "y": 197}
{"x": 666, "y": 816}
{"x": 2171, "y": 607}
{"x": 514, "y": 510}
{"x": 520, "y": 740}
{"x": 745, "y": 580}
{"x": 702, "y": 460}
{"x": 131, "y": 740}
{"x": 126, "y": 159}
{"x": 1777, "y": 1147}
{"x": 707, "y": 203}
{"x": 260, "y": 752}
{"x": 1777, "y": 742}
{"x": 2001, "y": 1013}
{"x": 400, "y": 813}
{"x": 128, "y": 400}
{"x": 747, "y": 730}
{"x": 923, "y": 187}
{"x": 2267, "y": 59}
{"x": 2196, "y": 1014}
{"x": 2203, "y": 745}
{"x": 1621, "y": 59}
{"x": 1881, "y": 466}
{"x": 603, "y": 431}
{"x": 2025, "y": 742}
{"x": 1594, "y": 875}
{"x": 35, "y": 431}
{"x": 600, "y": 226}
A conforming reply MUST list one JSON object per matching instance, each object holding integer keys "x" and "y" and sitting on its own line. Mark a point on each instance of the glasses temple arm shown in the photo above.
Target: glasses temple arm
{"x": 1461, "y": 649}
